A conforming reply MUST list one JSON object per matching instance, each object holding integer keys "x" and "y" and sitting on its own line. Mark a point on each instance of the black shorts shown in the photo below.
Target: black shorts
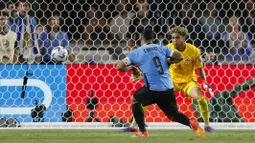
{"x": 164, "y": 99}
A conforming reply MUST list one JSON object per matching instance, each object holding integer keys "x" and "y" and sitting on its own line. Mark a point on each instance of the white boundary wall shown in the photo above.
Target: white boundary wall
{"x": 108, "y": 126}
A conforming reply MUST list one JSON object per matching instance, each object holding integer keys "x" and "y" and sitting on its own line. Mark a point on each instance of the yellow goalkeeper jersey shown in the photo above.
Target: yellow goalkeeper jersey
{"x": 184, "y": 71}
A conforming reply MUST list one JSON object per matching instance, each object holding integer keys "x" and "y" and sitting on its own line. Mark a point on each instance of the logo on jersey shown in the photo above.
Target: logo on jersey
{"x": 6, "y": 43}
{"x": 187, "y": 61}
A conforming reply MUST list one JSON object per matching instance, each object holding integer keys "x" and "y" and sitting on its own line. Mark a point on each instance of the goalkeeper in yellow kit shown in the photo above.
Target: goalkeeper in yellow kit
{"x": 183, "y": 74}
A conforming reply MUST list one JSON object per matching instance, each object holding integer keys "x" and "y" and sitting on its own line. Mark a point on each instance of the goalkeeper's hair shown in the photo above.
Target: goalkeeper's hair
{"x": 180, "y": 30}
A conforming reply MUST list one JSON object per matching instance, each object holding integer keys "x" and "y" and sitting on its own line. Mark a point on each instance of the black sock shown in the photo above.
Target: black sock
{"x": 139, "y": 116}
{"x": 181, "y": 118}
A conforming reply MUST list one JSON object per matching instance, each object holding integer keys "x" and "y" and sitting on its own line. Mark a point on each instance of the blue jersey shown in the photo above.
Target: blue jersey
{"x": 25, "y": 29}
{"x": 152, "y": 60}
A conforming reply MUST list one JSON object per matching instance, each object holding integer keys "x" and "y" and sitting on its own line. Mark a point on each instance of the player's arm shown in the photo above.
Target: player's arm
{"x": 202, "y": 74}
{"x": 125, "y": 66}
{"x": 176, "y": 58}
{"x": 173, "y": 56}
{"x": 199, "y": 65}
{"x": 37, "y": 53}
{"x": 16, "y": 54}
{"x": 71, "y": 56}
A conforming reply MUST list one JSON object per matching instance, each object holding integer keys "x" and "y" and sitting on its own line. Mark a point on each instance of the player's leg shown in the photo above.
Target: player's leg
{"x": 133, "y": 124}
{"x": 141, "y": 97}
{"x": 167, "y": 103}
{"x": 193, "y": 90}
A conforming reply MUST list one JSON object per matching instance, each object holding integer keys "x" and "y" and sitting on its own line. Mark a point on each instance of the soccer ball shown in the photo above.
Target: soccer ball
{"x": 59, "y": 54}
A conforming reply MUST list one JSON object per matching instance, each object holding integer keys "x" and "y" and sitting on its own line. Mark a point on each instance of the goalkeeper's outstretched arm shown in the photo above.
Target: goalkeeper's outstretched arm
{"x": 202, "y": 74}
{"x": 204, "y": 82}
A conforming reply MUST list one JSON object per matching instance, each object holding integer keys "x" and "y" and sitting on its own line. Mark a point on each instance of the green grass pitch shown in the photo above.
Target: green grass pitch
{"x": 112, "y": 136}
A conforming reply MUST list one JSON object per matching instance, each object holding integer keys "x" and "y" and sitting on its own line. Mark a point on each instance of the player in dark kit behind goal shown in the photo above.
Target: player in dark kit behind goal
{"x": 158, "y": 87}
{"x": 91, "y": 104}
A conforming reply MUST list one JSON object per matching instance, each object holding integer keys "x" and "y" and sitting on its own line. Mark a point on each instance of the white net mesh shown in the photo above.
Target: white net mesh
{"x": 99, "y": 33}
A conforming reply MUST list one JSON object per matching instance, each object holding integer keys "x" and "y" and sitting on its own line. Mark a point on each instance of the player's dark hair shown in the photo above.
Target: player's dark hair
{"x": 2, "y": 5}
{"x": 21, "y": 1}
{"x": 48, "y": 27}
{"x": 148, "y": 34}
{"x": 4, "y": 12}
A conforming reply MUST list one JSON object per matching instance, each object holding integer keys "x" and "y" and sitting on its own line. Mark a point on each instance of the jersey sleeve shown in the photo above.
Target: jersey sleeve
{"x": 66, "y": 42}
{"x": 132, "y": 58}
{"x": 11, "y": 50}
{"x": 198, "y": 59}
{"x": 34, "y": 22}
{"x": 169, "y": 52}
{"x": 12, "y": 25}
{"x": 15, "y": 37}
{"x": 41, "y": 39}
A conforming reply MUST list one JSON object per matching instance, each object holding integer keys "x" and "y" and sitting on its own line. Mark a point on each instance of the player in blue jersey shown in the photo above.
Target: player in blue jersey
{"x": 158, "y": 85}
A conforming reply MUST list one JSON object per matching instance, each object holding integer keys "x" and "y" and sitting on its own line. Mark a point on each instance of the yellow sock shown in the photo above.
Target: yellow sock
{"x": 144, "y": 108}
{"x": 133, "y": 124}
{"x": 203, "y": 107}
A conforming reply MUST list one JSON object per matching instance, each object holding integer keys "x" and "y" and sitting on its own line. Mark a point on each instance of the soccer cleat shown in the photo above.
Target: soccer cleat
{"x": 128, "y": 129}
{"x": 140, "y": 135}
{"x": 197, "y": 129}
{"x": 209, "y": 129}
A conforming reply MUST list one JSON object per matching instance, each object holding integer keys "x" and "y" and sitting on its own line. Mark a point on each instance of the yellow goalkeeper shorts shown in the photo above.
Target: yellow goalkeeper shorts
{"x": 186, "y": 87}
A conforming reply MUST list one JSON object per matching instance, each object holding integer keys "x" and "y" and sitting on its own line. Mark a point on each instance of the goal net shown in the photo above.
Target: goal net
{"x": 89, "y": 93}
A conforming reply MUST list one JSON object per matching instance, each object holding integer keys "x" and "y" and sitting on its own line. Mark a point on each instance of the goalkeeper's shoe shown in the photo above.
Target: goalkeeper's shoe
{"x": 140, "y": 135}
{"x": 194, "y": 125}
{"x": 128, "y": 129}
{"x": 209, "y": 129}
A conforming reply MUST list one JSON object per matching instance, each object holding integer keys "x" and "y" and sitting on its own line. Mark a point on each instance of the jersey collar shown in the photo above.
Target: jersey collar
{"x": 147, "y": 44}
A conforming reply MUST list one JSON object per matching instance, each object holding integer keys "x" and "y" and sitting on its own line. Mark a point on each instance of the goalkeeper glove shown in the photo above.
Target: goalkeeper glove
{"x": 208, "y": 87}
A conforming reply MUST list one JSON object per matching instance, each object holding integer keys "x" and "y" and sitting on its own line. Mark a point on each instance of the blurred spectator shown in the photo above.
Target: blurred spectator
{"x": 210, "y": 58}
{"x": 250, "y": 4}
{"x": 12, "y": 10}
{"x": 250, "y": 22}
{"x": 119, "y": 28}
{"x": 95, "y": 28}
{"x": 187, "y": 18}
{"x": 120, "y": 23}
{"x": 186, "y": 13}
{"x": 140, "y": 20}
{"x": 252, "y": 57}
{"x": 53, "y": 37}
{"x": 238, "y": 42}
{"x": 8, "y": 49}
{"x": 212, "y": 26}
{"x": 39, "y": 29}
{"x": 24, "y": 25}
